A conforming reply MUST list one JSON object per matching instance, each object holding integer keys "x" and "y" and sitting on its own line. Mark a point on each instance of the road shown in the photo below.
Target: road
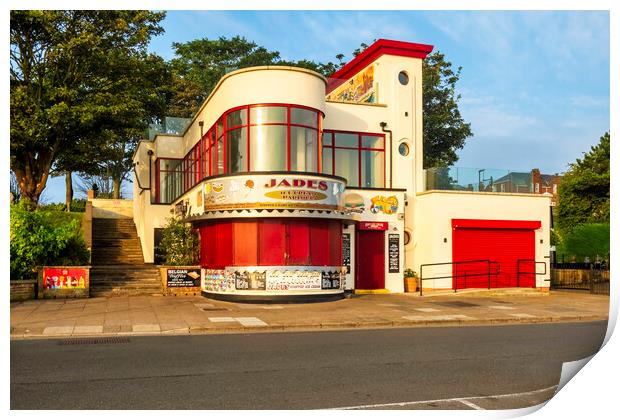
{"x": 488, "y": 367}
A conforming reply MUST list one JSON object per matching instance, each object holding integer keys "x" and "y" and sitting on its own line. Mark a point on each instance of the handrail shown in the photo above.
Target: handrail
{"x": 519, "y": 272}
{"x": 488, "y": 272}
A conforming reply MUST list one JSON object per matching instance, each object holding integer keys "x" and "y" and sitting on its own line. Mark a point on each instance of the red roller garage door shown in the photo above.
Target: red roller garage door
{"x": 501, "y": 241}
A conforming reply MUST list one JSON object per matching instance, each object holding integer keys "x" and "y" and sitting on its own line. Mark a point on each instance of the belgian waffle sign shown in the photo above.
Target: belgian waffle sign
{"x": 274, "y": 191}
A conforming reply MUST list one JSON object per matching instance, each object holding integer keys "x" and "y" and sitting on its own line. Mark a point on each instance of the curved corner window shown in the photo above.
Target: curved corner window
{"x": 259, "y": 137}
{"x": 403, "y": 78}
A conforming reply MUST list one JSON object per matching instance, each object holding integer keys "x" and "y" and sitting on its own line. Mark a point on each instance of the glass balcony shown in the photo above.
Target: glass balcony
{"x": 453, "y": 178}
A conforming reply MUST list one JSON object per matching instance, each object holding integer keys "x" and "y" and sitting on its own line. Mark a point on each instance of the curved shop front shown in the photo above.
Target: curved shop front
{"x": 271, "y": 236}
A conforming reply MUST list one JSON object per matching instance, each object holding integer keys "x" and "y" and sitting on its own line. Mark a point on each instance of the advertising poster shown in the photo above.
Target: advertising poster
{"x": 250, "y": 281}
{"x": 183, "y": 277}
{"x": 346, "y": 251}
{"x": 294, "y": 280}
{"x": 359, "y": 89}
{"x": 64, "y": 278}
{"x": 393, "y": 253}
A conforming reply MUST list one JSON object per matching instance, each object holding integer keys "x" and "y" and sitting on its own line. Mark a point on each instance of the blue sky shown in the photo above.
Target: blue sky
{"x": 534, "y": 84}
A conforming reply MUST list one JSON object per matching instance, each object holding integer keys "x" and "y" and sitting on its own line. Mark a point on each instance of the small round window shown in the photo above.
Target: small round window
{"x": 407, "y": 238}
{"x": 403, "y": 78}
{"x": 403, "y": 149}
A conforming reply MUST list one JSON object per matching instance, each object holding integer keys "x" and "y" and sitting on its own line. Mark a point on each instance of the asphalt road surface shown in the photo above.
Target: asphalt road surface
{"x": 489, "y": 367}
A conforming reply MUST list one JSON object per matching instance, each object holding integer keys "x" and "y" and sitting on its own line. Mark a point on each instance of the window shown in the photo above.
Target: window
{"x": 358, "y": 157}
{"x": 403, "y": 78}
{"x": 255, "y": 138}
{"x": 236, "y": 154}
{"x": 169, "y": 177}
{"x": 537, "y": 187}
{"x": 303, "y": 149}
{"x": 268, "y": 148}
{"x": 403, "y": 149}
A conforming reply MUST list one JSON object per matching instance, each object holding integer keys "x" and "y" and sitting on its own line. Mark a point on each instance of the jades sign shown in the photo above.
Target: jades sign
{"x": 270, "y": 191}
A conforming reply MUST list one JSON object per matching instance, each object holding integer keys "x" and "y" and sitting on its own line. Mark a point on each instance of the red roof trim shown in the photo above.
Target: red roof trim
{"x": 495, "y": 224}
{"x": 370, "y": 54}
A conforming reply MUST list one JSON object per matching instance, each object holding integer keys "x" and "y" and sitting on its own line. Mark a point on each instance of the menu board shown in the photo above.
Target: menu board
{"x": 393, "y": 253}
{"x": 250, "y": 281}
{"x": 183, "y": 277}
{"x": 330, "y": 280}
{"x": 346, "y": 251}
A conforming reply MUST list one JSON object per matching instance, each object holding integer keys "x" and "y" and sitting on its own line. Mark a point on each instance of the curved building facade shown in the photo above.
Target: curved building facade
{"x": 302, "y": 188}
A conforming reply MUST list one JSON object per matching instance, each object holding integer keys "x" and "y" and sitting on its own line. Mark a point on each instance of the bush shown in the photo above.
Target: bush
{"x": 44, "y": 237}
{"x": 77, "y": 206}
{"x": 179, "y": 244}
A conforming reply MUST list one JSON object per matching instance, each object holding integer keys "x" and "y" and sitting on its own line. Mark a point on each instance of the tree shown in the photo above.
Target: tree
{"x": 201, "y": 63}
{"x": 69, "y": 82}
{"x": 585, "y": 188}
{"x": 444, "y": 129}
{"x": 198, "y": 66}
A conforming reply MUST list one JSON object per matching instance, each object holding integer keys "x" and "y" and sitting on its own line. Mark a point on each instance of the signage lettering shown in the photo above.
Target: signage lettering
{"x": 297, "y": 183}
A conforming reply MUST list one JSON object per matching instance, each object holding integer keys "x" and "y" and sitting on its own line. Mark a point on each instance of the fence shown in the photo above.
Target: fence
{"x": 593, "y": 279}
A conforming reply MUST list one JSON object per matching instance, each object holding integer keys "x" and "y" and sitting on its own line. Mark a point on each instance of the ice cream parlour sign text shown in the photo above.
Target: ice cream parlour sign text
{"x": 272, "y": 191}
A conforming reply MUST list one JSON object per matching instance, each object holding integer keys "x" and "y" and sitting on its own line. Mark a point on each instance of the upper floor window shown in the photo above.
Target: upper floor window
{"x": 358, "y": 157}
{"x": 278, "y": 137}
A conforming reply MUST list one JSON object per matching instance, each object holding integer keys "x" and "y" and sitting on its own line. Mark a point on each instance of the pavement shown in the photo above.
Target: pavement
{"x": 161, "y": 315}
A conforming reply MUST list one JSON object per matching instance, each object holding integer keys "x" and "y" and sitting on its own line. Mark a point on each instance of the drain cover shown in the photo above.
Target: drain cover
{"x": 86, "y": 341}
{"x": 456, "y": 304}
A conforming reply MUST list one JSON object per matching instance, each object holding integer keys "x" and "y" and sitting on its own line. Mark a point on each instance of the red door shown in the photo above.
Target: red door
{"x": 370, "y": 260}
{"x": 505, "y": 244}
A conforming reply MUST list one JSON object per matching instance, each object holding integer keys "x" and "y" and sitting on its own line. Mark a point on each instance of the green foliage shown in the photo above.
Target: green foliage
{"x": 444, "y": 129}
{"x": 73, "y": 75}
{"x": 409, "y": 273}
{"x": 77, "y": 206}
{"x": 179, "y": 244}
{"x": 44, "y": 237}
{"x": 201, "y": 63}
{"x": 587, "y": 240}
{"x": 585, "y": 187}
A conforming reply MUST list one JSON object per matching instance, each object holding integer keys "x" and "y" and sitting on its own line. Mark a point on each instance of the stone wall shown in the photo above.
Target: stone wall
{"x": 23, "y": 290}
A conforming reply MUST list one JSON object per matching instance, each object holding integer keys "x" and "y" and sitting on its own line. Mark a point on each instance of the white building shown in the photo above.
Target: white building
{"x": 303, "y": 187}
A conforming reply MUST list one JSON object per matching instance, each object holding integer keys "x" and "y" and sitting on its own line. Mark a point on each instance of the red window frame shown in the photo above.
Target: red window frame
{"x": 333, "y": 146}
{"x": 198, "y": 163}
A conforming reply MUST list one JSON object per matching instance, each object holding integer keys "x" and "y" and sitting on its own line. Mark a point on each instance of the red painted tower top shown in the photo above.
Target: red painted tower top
{"x": 374, "y": 51}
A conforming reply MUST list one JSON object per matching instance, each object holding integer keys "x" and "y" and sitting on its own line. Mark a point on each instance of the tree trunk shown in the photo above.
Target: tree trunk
{"x": 32, "y": 178}
{"x": 116, "y": 193}
{"x": 68, "y": 190}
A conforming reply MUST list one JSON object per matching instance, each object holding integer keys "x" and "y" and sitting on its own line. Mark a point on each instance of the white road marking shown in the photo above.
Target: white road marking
{"x": 523, "y": 315}
{"x": 502, "y": 307}
{"x": 222, "y": 319}
{"x": 471, "y": 404}
{"x": 388, "y": 304}
{"x": 272, "y": 307}
{"x": 251, "y": 322}
{"x": 436, "y": 317}
{"x": 426, "y": 309}
{"x": 460, "y": 399}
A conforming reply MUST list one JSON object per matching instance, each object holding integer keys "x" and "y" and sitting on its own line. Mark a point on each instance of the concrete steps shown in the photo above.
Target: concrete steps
{"x": 117, "y": 261}
{"x": 125, "y": 280}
